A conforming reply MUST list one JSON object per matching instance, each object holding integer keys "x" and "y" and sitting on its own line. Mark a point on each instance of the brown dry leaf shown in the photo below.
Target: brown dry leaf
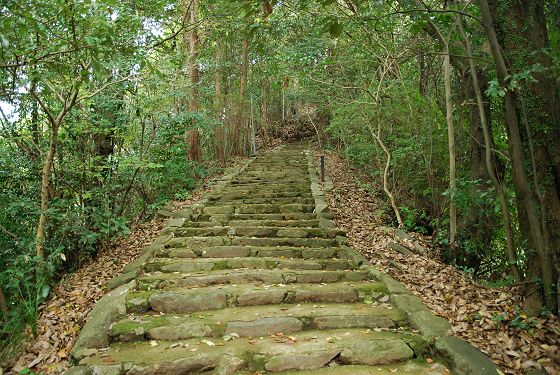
{"x": 470, "y": 307}
{"x": 64, "y": 313}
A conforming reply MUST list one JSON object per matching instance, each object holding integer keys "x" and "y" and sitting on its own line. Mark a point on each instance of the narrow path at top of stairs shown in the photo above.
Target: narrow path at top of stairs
{"x": 256, "y": 278}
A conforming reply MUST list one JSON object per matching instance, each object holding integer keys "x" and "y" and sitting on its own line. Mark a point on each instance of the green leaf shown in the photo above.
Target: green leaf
{"x": 335, "y": 29}
{"x": 45, "y": 291}
{"x": 4, "y": 42}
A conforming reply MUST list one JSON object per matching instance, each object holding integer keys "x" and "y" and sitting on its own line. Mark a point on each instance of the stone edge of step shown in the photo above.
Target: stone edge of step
{"x": 458, "y": 354}
{"x": 94, "y": 334}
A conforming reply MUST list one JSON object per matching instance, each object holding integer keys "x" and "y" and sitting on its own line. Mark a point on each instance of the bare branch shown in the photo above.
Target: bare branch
{"x": 104, "y": 87}
{"x": 50, "y": 115}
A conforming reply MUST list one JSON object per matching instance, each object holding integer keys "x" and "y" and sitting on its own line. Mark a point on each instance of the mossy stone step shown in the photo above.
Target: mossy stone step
{"x": 195, "y": 243}
{"x": 226, "y": 193}
{"x": 260, "y": 231}
{"x": 266, "y": 189}
{"x": 258, "y": 208}
{"x": 260, "y": 200}
{"x": 183, "y": 300}
{"x": 415, "y": 367}
{"x": 251, "y": 251}
{"x": 214, "y": 264}
{"x": 313, "y": 223}
{"x": 255, "y": 321}
{"x": 225, "y": 218}
{"x": 309, "y": 350}
{"x": 159, "y": 280}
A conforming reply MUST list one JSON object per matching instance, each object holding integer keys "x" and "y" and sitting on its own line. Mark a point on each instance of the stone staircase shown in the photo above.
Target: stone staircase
{"x": 255, "y": 279}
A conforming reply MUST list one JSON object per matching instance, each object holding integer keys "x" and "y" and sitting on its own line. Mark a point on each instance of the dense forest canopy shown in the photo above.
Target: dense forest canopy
{"x": 111, "y": 108}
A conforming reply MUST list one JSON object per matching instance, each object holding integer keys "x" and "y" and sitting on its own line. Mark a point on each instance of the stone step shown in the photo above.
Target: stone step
{"x": 260, "y": 231}
{"x": 256, "y": 321}
{"x": 189, "y": 300}
{"x": 161, "y": 280}
{"x": 286, "y": 183}
{"x": 258, "y": 208}
{"x": 253, "y": 251}
{"x": 270, "y": 188}
{"x": 214, "y": 264}
{"x": 410, "y": 367}
{"x": 256, "y": 223}
{"x": 225, "y": 195}
{"x": 275, "y": 353}
{"x": 246, "y": 201}
{"x": 195, "y": 243}
{"x": 276, "y": 217}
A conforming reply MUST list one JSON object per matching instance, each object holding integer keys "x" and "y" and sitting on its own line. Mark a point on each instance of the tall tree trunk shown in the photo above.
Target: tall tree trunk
{"x": 451, "y": 144}
{"x": 193, "y": 41}
{"x": 522, "y": 31}
{"x": 218, "y": 105}
{"x": 34, "y": 116}
{"x": 265, "y": 122}
{"x": 55, "y": 123}
{"x": 512, "y": 254}
{"x": 4, "y": 306}
{"x": 526, "y": 203}
{"x": 239, "y": 129}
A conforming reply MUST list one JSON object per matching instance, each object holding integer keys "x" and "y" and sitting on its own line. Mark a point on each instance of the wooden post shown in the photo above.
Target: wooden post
{"x": 322, "y": 168}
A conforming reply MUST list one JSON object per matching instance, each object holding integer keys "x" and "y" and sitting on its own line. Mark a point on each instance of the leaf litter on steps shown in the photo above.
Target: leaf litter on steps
{"x": 63, "y": 314}
{"x": 479, "y": 314}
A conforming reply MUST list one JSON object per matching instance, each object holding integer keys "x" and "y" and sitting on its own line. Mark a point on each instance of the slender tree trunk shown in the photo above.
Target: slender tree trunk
{"x": 512, "y": 254}
{"x": 522, "y": 31}
{"x": 451, "y": 144}
{"x": 45, "y": 195}
{"x": 4, "y": 306}
{"x": 45, "y": 179}
{"x": 264, "y": 111}
{"x": 34, "y": 116}
{"x": 522, "y": 188}
{"x": 240, "y": 130}
{"x": 218, "y": 106}
{"x": 193, "y": 41}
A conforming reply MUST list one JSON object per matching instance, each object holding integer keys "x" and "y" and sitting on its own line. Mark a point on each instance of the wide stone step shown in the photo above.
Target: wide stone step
{"x": 214, "y": 264}
{"x": 250, "y": 201}
{"x": 410, "y": 367}
{"x": 260, "y": 231}
{"x": 195, "y": 243}
{"x": 253, "y": 251}
{"x": 223, "y": 219}
{"x": 255, "y": 223}
{"x": 275, "y": 353}
{"x": 183, "y": 300}
{"x": 227, "y": 195}
{"x": 162, "y": 280}
{"x": 258, "y": 208}
{"x": 256, "y": 321}
{"x": 266, "y": 189}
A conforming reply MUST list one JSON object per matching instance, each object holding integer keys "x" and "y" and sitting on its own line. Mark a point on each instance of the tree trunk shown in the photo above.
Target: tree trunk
{"x": 526, "y": 203}
{"x": 45, "y": 179}
{"x": 4, "y": 306}
{"x": 218, "y": 106}
{"x": 239, "y": 129}
{"x": 265, "y": 122}
{"x": 451, "y": 144}
{"x": 512, "y": 254}
{"x": 193, "y": 41}
{"x": 522, "y": 32}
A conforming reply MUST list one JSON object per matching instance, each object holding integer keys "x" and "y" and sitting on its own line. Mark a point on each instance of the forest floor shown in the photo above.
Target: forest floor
{"x": 63, "y": 314}
{"x": 486, "y": 317}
